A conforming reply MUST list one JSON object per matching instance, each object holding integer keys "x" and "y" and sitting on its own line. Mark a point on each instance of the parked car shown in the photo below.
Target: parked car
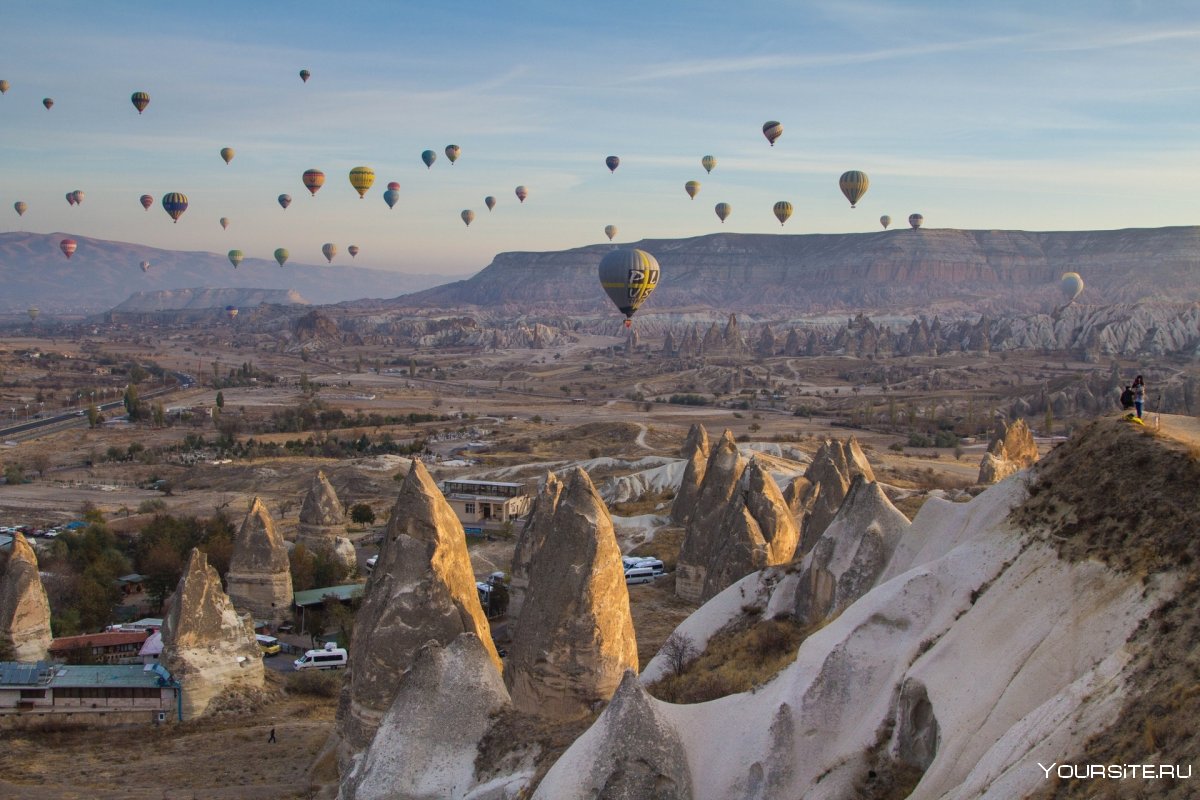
{"x": 269, "y": 644}
{"x": 331, "y": 657}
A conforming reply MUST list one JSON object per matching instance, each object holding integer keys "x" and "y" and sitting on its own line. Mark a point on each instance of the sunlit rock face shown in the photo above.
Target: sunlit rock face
{"x": 24, "y": 607}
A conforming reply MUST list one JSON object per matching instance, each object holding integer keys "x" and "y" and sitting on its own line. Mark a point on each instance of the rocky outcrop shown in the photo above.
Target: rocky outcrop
{"x": 575, "y": 638}
{"x": 260, "y": 577}
{"x": 1010, "y": 450}
{"x": 323, "y": 523}
{"x": 740, "y": 524}
{"x": 530, "y": 540}
{"x": 851, "y": 554}
{"x": 24, "y": 607}
{"x": 427, "y": 742}
{"x": 422, "y": 589}
{"x": 829, "y": 476}
{"x": 633, "y": 752}
{"x": 207, "y": 646}
{"x": 695, "y": 452}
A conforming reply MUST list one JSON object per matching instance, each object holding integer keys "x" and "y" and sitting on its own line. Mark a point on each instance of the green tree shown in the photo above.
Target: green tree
{"x": 93, "y": 415}
{"x": 220, "y": 399}
{"x": 362, "y": 514}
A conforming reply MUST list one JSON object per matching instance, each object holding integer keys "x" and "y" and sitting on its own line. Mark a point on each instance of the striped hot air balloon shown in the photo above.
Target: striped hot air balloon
{"x": 281, "y": 255}
{"x": 916, "y": 220}
{"x": 352, "y": 250}
{"x": 522, "y": 193}
{"x": 77, "y": 197}
{"x": 783, "y": 211}
{"x": 175, "y": 203}
{"x": 329, "y": 250}
{"x": 146, "y": 201}
{"x": 854, "y": 184}
{"x": 305, "y": 75}
{"x": 885, "y": 220}
{"x": 68, "y": 247}
{"x": 692, "y": 188}
{"x": 362, "y": 178}
{"x": 284, "y": 200}
{"x": 709, "y": 163}
{"x": 235, "y": 258}
{"x": 723, "y": 211}
{"x": 20, "y": 206}
{"x": 140, "y": 100}
{"x": 610, "y": 231}
{"x": 772, "y": 130}
{"x": 468, "y": 216}
{"x": 313, "y": 180}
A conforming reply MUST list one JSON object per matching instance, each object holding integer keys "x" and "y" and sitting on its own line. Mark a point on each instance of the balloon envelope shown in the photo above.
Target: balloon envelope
{"x": 1071, "y": 285}
{"x": 235, "y": 257}
{"x": 452, "y": 152}
{"x": 490, "y": 202}
{"x": 612, "y": 162}
{"x": 225, "y": 223}
{"x": 3, "y": 87}
{"x": 33, "y": 313}
{"x": 281, "y": 255}
{"x": 390, "y": 197}
{"x": 692, "y": 188}
{"x": 709, "y": 163}
{"x": 68, "y": 246}
{"x": 916, "y": 220}
{"x": 428, "y": 156}
{"x": 723, "y": 210}
{"x": 522, "y": 193}
{"x": 362, "y": 178}
{"x": 70, "y": 198}
{"x": 329, "y": 249}
{"x": 468, "y": 216}
{"x": 20, "y": 207}
{"x": 854, "y": 185}
{"x": 78, "y": 196}
{"x": 231, "y": 311}
{"x": 145, "y": 265}
{"x": 175, "y": 203}
{"x": 610, "y": 231}
{"x": 140, "y": 100}
{"x": 285, "y": 200}
{"x": 394, "y": 186}
{"x": 146, "y": 201}
{"x": 48, "y": 103}
{"x": 628, "y": 276}
{"x": 304, "y": 75}
{"x": 772, "y": 130}
{"x": 885, "y": 220}
{"x": 313, "y": 180}
{"x": 227, "y": 154}
{"x": 352, "y": 250}
{"x": 783, "y": 210}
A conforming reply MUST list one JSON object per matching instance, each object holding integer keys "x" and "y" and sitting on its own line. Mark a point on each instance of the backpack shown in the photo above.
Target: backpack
{"x": 1126, "y": 397}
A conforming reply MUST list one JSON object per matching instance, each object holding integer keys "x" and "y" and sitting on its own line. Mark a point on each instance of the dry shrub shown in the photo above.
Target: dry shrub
{"x": 316, "y": 683}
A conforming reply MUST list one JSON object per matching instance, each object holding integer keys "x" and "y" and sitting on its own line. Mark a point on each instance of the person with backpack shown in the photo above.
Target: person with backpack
{"x": 1139, "y": 395}
{"x": 1127, "y": 398}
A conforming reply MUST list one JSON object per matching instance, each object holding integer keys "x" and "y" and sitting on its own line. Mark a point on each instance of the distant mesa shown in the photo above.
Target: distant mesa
{"x": 200, "y": 299}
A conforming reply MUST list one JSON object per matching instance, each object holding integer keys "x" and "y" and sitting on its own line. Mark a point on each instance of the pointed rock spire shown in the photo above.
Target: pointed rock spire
{"x": 530, "y": 540}
{"x": 574, "y": 639}
{"x": 260, "y": 578}
{"x": 24, "y": 607}
{"x": 696, "y": 450}
{"x": 323, "y": 523}
{"x": 833, "y": 468}
{"x": 1010, "y": 450}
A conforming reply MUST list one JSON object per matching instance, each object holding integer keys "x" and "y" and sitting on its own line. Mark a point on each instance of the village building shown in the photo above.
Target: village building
{"x": 87, "y": 695}
{"x": 478, "y": 503}
{"x": 109, "y": 647}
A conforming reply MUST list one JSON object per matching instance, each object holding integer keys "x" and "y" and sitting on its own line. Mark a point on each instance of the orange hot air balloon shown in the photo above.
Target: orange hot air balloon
{"x": 313, "y": 179}
{"x": 227, "y": 153}
{"x": 68, "y": 246}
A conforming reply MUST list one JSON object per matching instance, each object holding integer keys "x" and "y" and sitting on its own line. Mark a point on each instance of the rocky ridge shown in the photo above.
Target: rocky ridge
{"x": 1011, "y": 448}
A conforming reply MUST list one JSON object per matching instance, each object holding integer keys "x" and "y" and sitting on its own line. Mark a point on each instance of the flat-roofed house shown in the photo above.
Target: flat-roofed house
{"x": 481, "y": 502}
{"x": 109, "y": 694}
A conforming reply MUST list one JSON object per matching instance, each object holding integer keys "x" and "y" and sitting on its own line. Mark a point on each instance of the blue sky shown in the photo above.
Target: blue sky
{"x": 1016, "y": 115}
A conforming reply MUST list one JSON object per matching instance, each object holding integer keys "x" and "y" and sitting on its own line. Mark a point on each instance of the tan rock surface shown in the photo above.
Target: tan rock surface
{"x": 575, "y": 638}
{"x": 24, "y": 608}
{"x": 323, "y": 523}
{"x": 421, "y": 589}
{"x": 207, "y": 646}
{"x": 260, "y": 579}
{"x": 1011, "y": 449}
{"x": 696, "y": 450}
{"x": 531, "y": 538}
{"x": 833, "y": 469}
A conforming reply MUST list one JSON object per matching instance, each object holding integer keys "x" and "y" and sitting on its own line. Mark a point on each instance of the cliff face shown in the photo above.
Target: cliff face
{"x": 260, "y": 577}
{"x": 24, "y": 607}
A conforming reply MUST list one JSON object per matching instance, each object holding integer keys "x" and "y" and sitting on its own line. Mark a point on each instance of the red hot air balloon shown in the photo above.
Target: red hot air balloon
{"x": 147, "y": 201}
{"x": 394, "y": 186}
{"x": 68, "y": 246}
{"x": 313, "y": 179}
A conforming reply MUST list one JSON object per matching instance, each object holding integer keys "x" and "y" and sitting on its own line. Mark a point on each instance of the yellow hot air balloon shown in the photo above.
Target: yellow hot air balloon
{"x": 628, "y": 277}
{"x": 329, "y": 249}
{"x": 468, "y": 216}
{"x": 783, "y": 210}
{"x": 854, "y": 185}
{"x": 227, "y": 153}
{"x": 772, "y": 130}
{"x": 33, "y": 313}
{"x": 20, "y": 206}
{"x": 140, "y": 100}
{"x": 362, "y": 178}
{"x": 453, "y": 151}
{"x": 610, "y": 231}
{"x": 692, "y": 188}
{"x": 709, "y": 163}
{"x": 723, "y": 211}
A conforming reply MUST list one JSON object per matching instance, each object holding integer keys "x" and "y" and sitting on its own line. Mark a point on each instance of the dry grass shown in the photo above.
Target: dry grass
{"x": 646, "y": 504}
{"x": 656, "y": 613}
{"x": 664, "y": 546}
{"x": 515, "y": 736}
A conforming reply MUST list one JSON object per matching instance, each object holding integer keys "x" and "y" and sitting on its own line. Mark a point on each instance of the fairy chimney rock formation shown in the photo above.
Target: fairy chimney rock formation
{"x": 24, "y": 608}
{"x": 740, "y": 524}
{"x": 207, "y": 646}
{"x": 1010, "y": 450}
{"x": 421, "y": 589}
{"x": 532, "y": 535}
{"x": 427, "y": 742}
{"x": 260, "y": 577}
{"x": 323, "y": 523}
{"x": 575, "y": 638}
{"x": 851, "y": 554}
{"x": 830, "y": 474}
{"x": 695, "y": 451}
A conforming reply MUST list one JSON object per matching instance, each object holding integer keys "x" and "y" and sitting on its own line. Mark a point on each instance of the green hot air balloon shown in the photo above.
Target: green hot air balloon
{"x": 885, "y": 220}
{"x": 235, "y": 258}
{"x": 854, "y": 185}
{"x": 628, "y": 276}
{"x": 227, "y": 154}
{"x": 490, "y": 202}
{"x": 175, "y": 203}
{"x": 453, "y": 151}
{"x": 723, "y": 211}
{"x": 468, "y": 216}
{"x": 783, "y": 210}
{"x": 709, "y": 163}
{"x": 428, "y": 156}
{"x": 281, "y": 255}
{"x": 1071, "y": 286}
{"x": 21, "y": 206}
{"x": 140, "y": 100}
{"x": 916, "y": 220}
{"x": 692, "y": 188}
{"x": 329, "y": 250}
{"x": 610, "y": 231}
{"x": 772, "y": 130}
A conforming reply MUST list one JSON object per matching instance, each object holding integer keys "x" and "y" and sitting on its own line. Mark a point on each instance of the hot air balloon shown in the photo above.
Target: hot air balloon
{"x": 628, "y": 276}
{"x": 452, "y": 152}
{"x": 227, "y": 153}
{"x": 361, "y": 178}
{"x": 709, "y": 163}
{"x": 916, "y": 220}
{"x": 235, "y": 258}
{"x": 3, "y": 87}
{"x": 313, "y": 180}
{"x": 692, "y": 188}
{"x": 329, "y": 249}
{"x": 304, "y": 75}
{"x": 490, "y": 202}
{"x": 145, "y": 265}
{"x": 522, "y": 193}
{"x": 48, "y": 103}
{"x": 390, "y": 197}
{"x": 610, "y": 231}
{"x": 885, "y": 220}
{"x": 146, "y": 201}
{"x": 468, "y": 216}
{"x": 281, "y": 255}
{"x": 68, "y": 246}
{"x": 231, "y": 311}
{"x": 393, "y": 186}
{"x": 854, "y": 185}
{"x": 20, "y": 207}
{"x": 1071, "y": 286}
{"x": 224, "y": 223}
{"x": 352, "y": 250}
{"x": 284, "y": 200}
{"x": 783, "y": 210}
{"x": 612, "y": 162}
{"x": 772, "y": 130}
{"x": 33, "y": 313}
{"x": 77, "y": 196}
{"x": 428, "y": 156}
{"x": 70, "y": 198}
{"x": 723, "y": 210}
{"x": 175, "y": 203}
{"x": 140, "y": 100}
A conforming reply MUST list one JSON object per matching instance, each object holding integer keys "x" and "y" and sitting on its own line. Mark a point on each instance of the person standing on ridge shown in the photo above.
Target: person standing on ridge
{"x": 271, "y": 738}
{"x": 1139, "y": 395}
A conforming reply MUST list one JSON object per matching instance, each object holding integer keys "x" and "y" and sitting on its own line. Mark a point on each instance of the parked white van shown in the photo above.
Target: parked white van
{"x": 635, "y": 562}
{"x": 332, "y": 657}
{"x": 639, "y": 575}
